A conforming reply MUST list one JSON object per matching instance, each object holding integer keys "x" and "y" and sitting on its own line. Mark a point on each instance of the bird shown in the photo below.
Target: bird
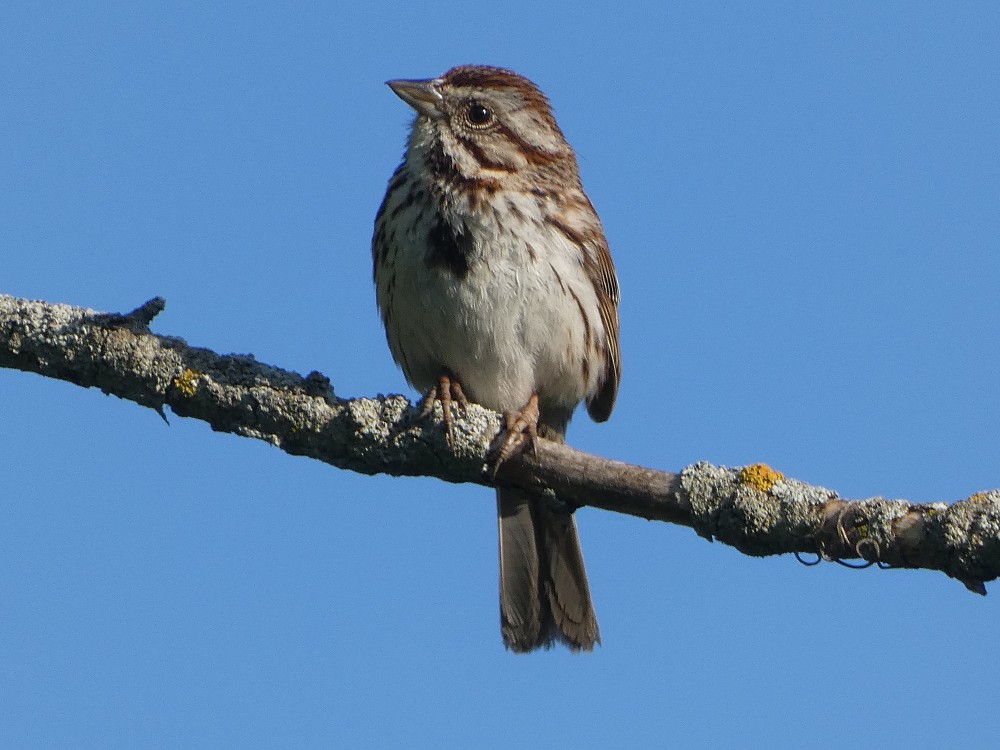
{"x": 495, "y": 285}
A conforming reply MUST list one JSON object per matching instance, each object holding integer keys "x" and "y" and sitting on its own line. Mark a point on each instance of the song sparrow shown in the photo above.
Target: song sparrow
{"x": 495, "y": 283}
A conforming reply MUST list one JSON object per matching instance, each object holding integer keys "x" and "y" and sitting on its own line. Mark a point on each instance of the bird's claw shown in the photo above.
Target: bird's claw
{"x": 448, "y": 391}
{"x": 521, "y": 432}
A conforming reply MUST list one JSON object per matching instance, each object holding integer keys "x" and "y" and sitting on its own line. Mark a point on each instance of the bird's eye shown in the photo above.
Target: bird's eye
{"x": 478, "y": 115}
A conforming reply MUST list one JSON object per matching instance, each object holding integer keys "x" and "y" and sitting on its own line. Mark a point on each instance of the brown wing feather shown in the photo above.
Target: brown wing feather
{"x": 601, "y": 272}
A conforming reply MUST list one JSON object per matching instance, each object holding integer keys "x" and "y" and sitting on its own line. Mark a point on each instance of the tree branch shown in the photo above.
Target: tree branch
{"x": 755, "y": 509}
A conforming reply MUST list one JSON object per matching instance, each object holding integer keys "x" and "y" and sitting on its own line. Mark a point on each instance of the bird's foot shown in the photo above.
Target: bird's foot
{"x": 448, "y": 391}
{"x": 521, "y": 432}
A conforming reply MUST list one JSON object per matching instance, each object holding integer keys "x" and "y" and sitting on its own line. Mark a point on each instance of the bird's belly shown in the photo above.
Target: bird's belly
{"x": 506, "y": 328}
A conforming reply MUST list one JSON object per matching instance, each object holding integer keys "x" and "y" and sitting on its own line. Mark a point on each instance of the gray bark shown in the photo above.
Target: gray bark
{"x": 753, "y": 509}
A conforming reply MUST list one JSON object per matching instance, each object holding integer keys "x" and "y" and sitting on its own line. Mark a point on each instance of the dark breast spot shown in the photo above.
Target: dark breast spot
{"x": 448, "y": 248}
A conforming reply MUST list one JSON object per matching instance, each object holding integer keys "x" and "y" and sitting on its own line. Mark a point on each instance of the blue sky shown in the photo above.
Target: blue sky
{"x": 803, "y": 203}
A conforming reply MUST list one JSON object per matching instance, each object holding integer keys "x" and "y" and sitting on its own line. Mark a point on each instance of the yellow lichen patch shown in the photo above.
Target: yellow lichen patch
{"x": 187, "y": 382}
{"x": 760, "y": 476}
{"x": 979, "y": 497}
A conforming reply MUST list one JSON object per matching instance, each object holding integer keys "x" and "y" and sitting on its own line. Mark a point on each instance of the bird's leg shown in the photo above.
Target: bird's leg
{"x": 522, "y": 429}
{"x": 448, "y": 391}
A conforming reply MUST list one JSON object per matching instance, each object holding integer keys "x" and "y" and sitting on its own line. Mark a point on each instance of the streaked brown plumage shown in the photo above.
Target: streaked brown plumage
{"x": 495, "y": 282}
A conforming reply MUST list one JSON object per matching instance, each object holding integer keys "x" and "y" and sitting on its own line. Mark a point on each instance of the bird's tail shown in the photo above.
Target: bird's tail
{"x": 544, "y": 595}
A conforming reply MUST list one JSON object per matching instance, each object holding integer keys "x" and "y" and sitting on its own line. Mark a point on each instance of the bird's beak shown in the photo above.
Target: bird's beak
{"x": 423, "y": 96}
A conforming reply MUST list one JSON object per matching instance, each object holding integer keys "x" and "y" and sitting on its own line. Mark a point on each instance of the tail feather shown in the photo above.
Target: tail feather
{"x": 544, "y": 594}
{"x": 567, "y": 587}
{"x": 520, "y": 600}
